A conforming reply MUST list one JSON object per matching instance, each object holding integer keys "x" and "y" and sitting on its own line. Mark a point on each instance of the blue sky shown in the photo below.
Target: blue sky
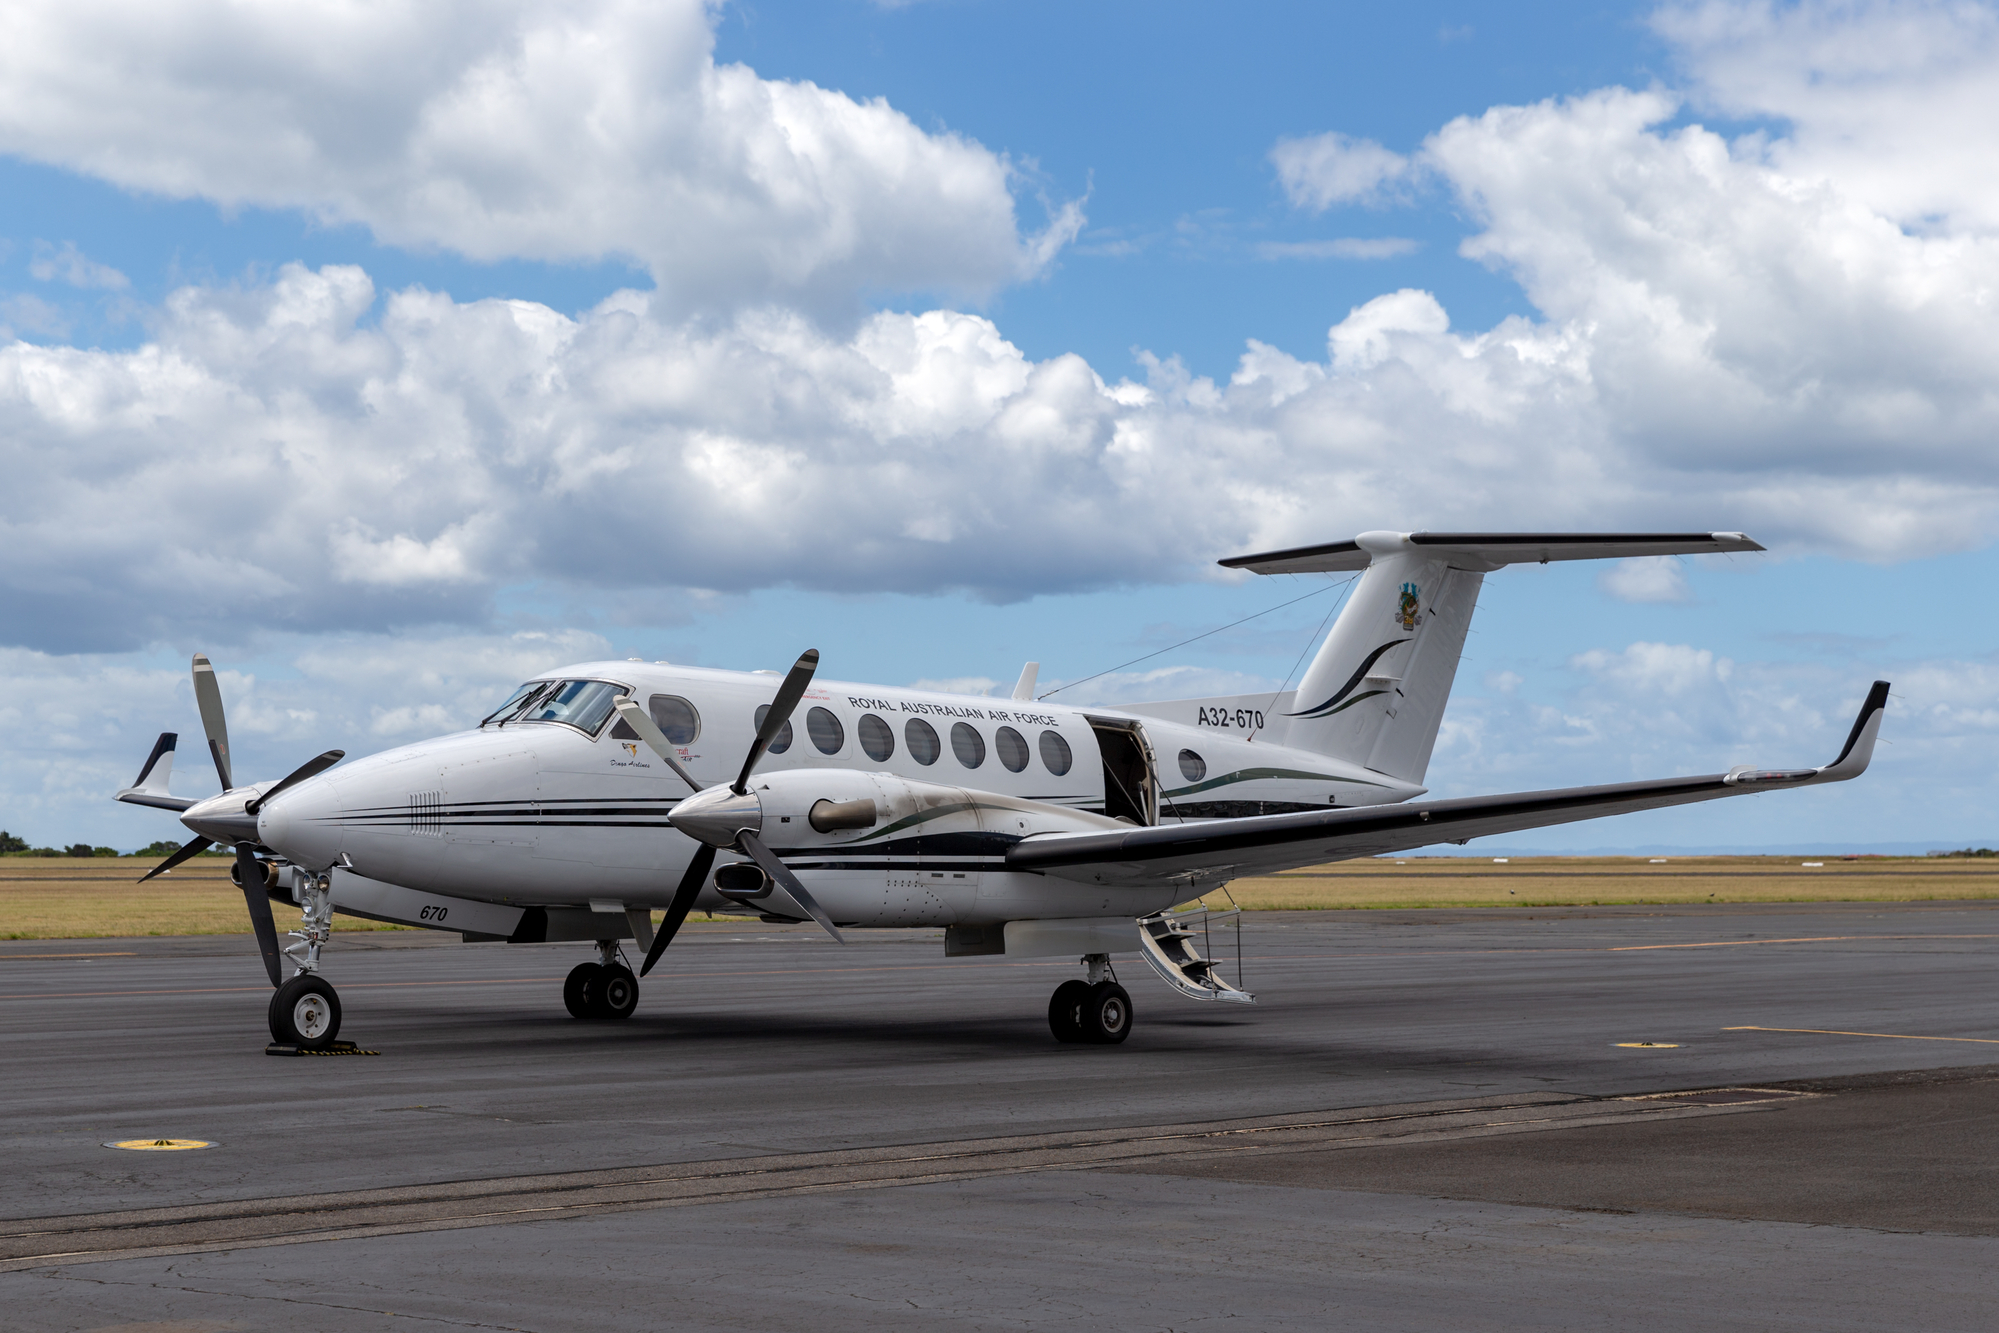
{"x": 808, "y": 370}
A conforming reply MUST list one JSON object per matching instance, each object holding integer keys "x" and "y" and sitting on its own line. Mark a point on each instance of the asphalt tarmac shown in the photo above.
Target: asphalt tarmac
{"x": 1429, "y": 1120}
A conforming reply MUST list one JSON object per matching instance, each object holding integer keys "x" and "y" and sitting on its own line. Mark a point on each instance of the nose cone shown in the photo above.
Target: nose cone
{"x": 302, "y": 823}
{"x": 717, "y": 815}
{"x": 221, "y": 818}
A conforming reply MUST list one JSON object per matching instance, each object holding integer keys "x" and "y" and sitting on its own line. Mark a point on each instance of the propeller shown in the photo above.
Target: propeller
{"x": 251, "y": 872}
{"x": 682, "y": 904}
{"x": 311, "y": 768}
{"x": 208, "y": 698}
{"x": 781, "y": 708}
{"x": 224, "y": 826}
{"x": 187, "y": 853}
{"x": 788, "y": 695}
{"x": 781, "y": 872}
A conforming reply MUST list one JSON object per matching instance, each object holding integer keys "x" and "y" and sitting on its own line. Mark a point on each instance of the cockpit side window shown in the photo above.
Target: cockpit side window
{"x": 583, "y": 704}
{"x": 513, "y": 704}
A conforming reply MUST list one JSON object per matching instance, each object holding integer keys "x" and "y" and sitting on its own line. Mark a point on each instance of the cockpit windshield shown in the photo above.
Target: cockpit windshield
{"x": 514, "y": 702}
{"x": 583, "y": 704}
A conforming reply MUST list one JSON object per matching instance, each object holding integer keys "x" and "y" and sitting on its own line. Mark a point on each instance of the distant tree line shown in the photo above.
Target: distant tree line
{"x": 13, "y": 846}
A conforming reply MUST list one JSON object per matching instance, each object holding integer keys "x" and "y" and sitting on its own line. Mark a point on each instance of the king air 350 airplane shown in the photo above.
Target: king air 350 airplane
{"x": 604, "y": 791}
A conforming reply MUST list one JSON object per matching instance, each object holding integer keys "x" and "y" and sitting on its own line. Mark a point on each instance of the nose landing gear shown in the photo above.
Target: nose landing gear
{"x": 305, "y": 1011}
{"x": 1095, "y": 1012}
{"x": 606, "y": 989}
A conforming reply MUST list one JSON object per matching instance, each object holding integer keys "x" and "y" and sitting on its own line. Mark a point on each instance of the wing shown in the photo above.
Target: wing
{"x": 1226, "y": 848}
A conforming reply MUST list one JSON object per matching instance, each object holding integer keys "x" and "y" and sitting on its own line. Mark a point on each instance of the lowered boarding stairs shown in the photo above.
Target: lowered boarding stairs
{"x": 1168, "y": 940}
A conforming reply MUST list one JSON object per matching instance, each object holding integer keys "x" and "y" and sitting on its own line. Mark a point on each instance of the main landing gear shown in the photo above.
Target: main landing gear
{"x": 605, "y": 989}
{"x": 1097, "y": 1011}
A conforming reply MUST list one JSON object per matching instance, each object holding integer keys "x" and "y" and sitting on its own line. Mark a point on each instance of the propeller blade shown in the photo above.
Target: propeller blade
{"x": 187, "y": 853}
{"x": 788, "y": 695}
{"x": 683, "y": 903}
{"x": 208, "y": 697}
{"x": 311, "y": 768}
{"x": 251, "y": 871}
{"x": 640, "y": 721}
{"x": 780, "y": 872}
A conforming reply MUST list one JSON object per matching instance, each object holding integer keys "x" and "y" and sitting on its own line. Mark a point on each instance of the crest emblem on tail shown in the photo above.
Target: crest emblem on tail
{"x": 1405, "y": 610}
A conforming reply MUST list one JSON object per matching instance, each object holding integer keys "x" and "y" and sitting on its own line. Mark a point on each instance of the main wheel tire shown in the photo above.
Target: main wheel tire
{"x": 305, "y": 1012}
{"x": 1106, "y": 1014}
{"x": 579, "y": 990}
{"x": 1065, "y": 1010}
{"x": 616, "y": 993}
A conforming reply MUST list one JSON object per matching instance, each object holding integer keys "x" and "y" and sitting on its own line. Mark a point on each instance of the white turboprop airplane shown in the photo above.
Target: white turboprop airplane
{"x": 603, "y": 791}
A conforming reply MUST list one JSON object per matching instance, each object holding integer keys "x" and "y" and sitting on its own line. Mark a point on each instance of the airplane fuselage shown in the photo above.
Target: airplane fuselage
{"x": 546, "y": 814}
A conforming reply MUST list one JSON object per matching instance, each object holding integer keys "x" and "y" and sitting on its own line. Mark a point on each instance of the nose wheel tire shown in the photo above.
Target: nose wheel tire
{"x": 579, "y": 989}
{"x": 305, "y": 1012}
{"x": 1106, "y": 1014}
{"x": 615, "y": 994}
{"x": 1065, "y": 1010}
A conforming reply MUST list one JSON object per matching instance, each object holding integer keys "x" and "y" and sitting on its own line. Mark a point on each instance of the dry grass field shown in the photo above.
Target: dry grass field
{"x": 1546, "y": 881}
{"x": 60, "y": 898}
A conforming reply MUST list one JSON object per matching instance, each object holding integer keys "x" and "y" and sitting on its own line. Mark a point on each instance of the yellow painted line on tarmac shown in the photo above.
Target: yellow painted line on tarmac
{"x": 1801, "y": 939}
{"x": 1898, "y": 1036}
{"x": 129, "y": 953}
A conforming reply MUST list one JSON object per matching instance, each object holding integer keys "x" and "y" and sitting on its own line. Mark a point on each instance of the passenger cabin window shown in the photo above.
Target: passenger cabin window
{"x": 825, "y": 730}
{"x": 1011, "y": 747}
{"x": 1055, "y": 753}
{"x": 1192, "y": 766}
{"x": 967, "y": 744}
{"x": 673, "y": 715}
{"x": 924, "y": 746}
{"x": 876, "y": 738}
{"x": 582, "y": 704}
{"x": 782, "y": 741}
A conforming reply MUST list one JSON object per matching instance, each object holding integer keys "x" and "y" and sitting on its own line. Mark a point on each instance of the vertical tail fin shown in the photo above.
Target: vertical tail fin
{"x": 1376, "y": 692}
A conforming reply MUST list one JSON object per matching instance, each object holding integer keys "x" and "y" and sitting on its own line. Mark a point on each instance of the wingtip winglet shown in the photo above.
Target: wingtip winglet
{"x": 1859, "y": 748}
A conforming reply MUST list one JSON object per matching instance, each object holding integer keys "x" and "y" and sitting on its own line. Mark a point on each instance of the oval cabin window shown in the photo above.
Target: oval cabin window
{"x": 876, "y": 738}
{"x": 676, "y": 717}
{"x": 825, "y": 730}
{"x": 924, "y": 747}
{"x": 782, "y": 742}
{"x": 967, "y": 744}
{"x": 1011, "y": 747}
{"x": 1055, "y": 753}
{"x": 673, "y": 715}
{"x": 1192, "y": 766}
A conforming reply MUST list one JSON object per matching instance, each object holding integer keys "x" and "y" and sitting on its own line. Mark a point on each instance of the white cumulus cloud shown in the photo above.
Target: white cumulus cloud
{"x": 1888, "y": 98}
{"x": 1327, "y": 169}
{"x": 1656, "y": 578}
{"x": 581, "y": 130}
{"x": 65, "y": 263}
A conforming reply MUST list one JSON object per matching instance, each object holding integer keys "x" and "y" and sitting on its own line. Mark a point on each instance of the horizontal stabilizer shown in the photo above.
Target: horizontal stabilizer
{"x": 1487, "y": 551}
